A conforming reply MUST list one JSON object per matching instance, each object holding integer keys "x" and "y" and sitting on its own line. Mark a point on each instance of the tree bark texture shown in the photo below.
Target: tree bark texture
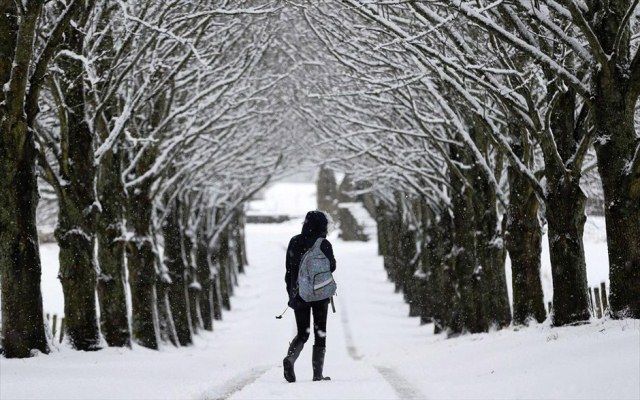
{"x": 566, "y": 217}
{"x": 222, "y": 257}
{"x": 565, "y": 213}
{"x": 20, "y": 270}
{"x": 112, "y": 285}
{"x": 204, "y": 277}
{"x": 142, "y": 269}
{"x": 167, "y": 327}
{"x": 193, "y": 286}
{"x": 469, "y": 279}
{"x": 177, "y": 289}
{"x": 617, "y": 146}
{"x": 78, "y": 211}
{"x": 524, "y": 243}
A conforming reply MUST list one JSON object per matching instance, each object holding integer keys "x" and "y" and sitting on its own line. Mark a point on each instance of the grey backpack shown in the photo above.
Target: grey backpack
{"x": 315, "y": 281}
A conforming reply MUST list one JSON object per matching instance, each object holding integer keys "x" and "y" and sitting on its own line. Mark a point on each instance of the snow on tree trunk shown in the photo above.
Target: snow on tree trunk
{"x": 110, "y": 230}
{"x": 167, "y": 327}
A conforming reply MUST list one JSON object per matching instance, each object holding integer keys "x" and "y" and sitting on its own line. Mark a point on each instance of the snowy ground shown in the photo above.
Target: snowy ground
{"x": 374, "y": 349}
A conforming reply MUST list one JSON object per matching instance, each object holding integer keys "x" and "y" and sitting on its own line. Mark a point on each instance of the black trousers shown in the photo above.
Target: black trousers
{"x": 303, "y": 322}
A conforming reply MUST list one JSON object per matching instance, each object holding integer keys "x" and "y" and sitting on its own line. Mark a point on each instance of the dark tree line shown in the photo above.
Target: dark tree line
{"x": 473, "y": 125}
{"x": 143, "y": 118}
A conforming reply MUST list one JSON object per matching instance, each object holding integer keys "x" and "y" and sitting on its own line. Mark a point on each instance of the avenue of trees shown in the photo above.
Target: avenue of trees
{"x": 148, "y": 122}
{"x": 470, "y": 125}
{"x": 465, "y": 128}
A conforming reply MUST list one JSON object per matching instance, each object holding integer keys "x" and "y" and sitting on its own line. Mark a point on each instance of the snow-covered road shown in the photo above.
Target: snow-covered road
{"x": 374, "y": 351}
{"x": 261, "y": 296}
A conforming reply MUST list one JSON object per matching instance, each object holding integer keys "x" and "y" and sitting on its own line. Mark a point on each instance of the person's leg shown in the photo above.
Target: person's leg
{"x": 320, "y": 310}
{"x": 303, "y": 323}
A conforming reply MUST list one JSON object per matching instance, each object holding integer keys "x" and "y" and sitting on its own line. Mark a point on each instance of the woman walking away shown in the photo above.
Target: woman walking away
{"x": 310, "y": 245}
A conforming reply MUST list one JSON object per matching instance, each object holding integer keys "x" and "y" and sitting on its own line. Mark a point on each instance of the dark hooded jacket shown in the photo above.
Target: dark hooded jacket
{"x": 314, "y": 227}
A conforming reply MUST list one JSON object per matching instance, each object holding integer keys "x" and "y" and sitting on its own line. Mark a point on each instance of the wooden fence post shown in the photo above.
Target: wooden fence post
{"x": 54, "y": 322}
{"x": 605, "y": 301}
{"x": 596, "y": 294}
{"x": 61, "y": 329}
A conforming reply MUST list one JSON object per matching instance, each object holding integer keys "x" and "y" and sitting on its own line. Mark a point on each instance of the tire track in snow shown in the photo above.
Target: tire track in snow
{"x": 348, "y": 337}
{"x": 236, "y": 384}
{"x": 403, "y": 388}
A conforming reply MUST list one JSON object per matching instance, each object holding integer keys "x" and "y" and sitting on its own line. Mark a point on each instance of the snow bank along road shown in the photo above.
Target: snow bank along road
{"x": 374, "y": 350}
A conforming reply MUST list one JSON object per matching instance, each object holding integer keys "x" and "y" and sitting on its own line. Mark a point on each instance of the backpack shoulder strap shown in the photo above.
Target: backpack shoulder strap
{"x": 318, "y": 242}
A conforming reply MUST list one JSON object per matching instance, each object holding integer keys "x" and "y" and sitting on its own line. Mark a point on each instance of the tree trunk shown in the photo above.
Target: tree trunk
{"x": 204, "y": 277}
{"x": 193, "y": 286}
{"x": 439, "y": 246}
{"x": 409, "y": 261}
{"x": 238, "y": 233}
{"x": 177, "y": 289}
{"x": 490, "y": 250}
{"x": 490, "y": 253}
{"x": 167, "y": 328}
{"x": 427, "y": 221}
{"x": 112, "y": 289}
{"x": 469, "y": 279}
{"x": 381, "y": 223}
{"x": 20, "y": 271}
{"x": 391, "y": 239}
{"x": 112, "y": 284}
{"x": 77, "y": 209}
{"x": 327, "y": 192}
{"x": 617, "y": 144}
{"x": 565, "y": 211}
{"x": 224, "y": 274}
{"x": 622, "y": 215}
{"x": 22, "y": 318}
{"x": 524, "y": 243}
{"x": 614, "y": 104}
{"x": 142, "y": 269}
{"x": 217, "y": 297}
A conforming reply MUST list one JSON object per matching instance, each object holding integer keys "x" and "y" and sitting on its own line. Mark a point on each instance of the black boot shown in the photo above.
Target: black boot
{"x": 295, "y": 347}
{"x": 318, "y": 363}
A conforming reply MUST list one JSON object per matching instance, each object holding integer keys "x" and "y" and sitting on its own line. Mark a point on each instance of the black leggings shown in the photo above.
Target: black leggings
{"x": 303, "y": 322}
